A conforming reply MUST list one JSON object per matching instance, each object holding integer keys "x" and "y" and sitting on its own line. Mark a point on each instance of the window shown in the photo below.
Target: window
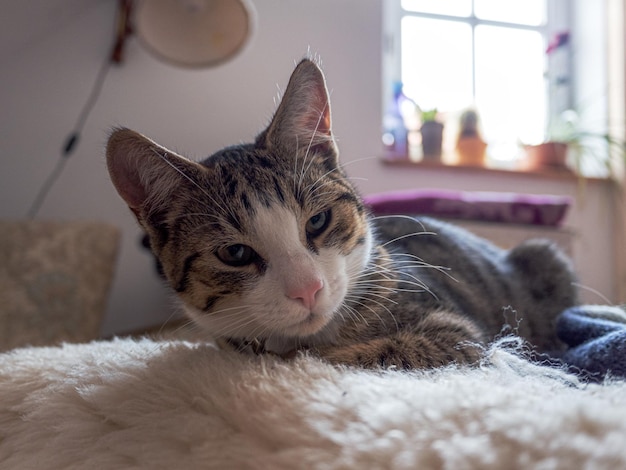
{"x": 509, "y": 60}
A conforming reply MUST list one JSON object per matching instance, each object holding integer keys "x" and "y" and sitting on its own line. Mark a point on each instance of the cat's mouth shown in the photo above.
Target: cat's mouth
{"x": 309, "y": 325}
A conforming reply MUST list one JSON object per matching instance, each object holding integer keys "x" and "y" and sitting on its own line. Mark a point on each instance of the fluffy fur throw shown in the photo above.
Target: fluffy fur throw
{"x": 146, "y": 404}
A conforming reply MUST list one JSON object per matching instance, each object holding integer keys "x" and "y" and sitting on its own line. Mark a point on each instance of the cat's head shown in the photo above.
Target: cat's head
{"x": 259, "y": 240}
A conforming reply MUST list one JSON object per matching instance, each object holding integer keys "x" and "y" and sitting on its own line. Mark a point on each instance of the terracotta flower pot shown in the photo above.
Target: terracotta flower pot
{"x": 471, "y": 151}
{"x": 546, "y": 155}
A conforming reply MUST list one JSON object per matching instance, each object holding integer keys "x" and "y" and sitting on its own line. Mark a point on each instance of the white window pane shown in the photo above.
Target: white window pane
{"x": 437, "y": 63}
{"x": 510, "y": 87}
{"x": 528, "y": 12}
{"x": 446, "y": 7}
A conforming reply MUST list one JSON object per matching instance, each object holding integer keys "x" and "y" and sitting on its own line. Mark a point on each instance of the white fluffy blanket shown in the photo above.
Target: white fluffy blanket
{"x": 146, "y": 404}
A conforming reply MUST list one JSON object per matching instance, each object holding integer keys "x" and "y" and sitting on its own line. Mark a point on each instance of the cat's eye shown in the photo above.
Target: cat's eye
{"x": 236, "y": 255}
{"x": 318, "y": 223}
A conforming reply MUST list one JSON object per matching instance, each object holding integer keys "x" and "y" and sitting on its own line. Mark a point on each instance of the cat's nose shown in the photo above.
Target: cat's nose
{"x": 306, "y": 292}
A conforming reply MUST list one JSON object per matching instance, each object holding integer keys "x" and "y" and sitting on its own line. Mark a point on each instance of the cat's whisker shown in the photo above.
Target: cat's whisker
{"x": 392, "y": 270}
{"x": 357, "y": 317}
{"x": 296, "y": 189}
{"x": 167, "y": 320}
{"x": 315, "y": 186}
{"x": 232, "y": 320}
{"x": 188, "y": 325}
{"x": 374, "y": 312}
{"x": 401, "y": 216}
{"x": 226, "y": 204}
{"x": 378, "y": 283}
{"x": 377, "y": 267}
{"x": 234, "y": 328}
{"x": 384, "y": 273}
{"x": 418, "y": 266}
{"x": 184, "y": 325}
{"x": 349, "y": 315}
{"x": 301, "y": 171}
{"x": 308, "y": 149}
{"x": 375, "y": 279}
{"x": 233, "y": 310}
{"x": 389, "y": 276}
{"x": 318, "y": 196}
{"x": 596, "y": 292}
{"x": 260, "y": 331}
{"x": 184, "y": 175}
{"x": 226, "y": 208}
{"x": 359, "y": 160}
{"x": 418, "y": 288}
{"x": 263, "y": 329}
{"x": 380, "y": 296}
{"x": 442, "y": 269}
{"x": 385, "y": 308}
{"x": 408, "y": 235}
{"x": 343, "y": 165}
{"x": 422, "y": 288}
{"x": 415, "y": 262}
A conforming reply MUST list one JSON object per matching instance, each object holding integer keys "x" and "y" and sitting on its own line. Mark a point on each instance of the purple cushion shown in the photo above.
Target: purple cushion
{"x": 468, "y": 205}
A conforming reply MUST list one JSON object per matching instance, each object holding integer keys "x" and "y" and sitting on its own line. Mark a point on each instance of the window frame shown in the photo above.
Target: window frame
{"x": 559, "y": 18}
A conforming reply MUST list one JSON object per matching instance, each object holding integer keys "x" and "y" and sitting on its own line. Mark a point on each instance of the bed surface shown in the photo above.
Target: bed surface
{"x": 173, "y": 404}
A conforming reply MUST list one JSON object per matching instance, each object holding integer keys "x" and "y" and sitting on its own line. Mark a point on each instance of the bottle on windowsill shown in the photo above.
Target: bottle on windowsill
{"x": 400, "y": 123}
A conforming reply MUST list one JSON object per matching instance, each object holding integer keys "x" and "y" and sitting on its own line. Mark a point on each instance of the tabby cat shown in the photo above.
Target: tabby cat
{"x": 271, "y": 249}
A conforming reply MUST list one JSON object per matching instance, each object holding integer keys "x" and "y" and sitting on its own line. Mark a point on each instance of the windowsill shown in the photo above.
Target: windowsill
{"x": 547, "y": 172}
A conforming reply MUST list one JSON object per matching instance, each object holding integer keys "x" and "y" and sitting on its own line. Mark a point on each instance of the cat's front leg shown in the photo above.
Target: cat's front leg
{"x": 438, "y": 341}
{"x": 402, "y": 351}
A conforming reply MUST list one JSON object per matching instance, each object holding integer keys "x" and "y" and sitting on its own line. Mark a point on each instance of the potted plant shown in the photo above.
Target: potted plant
{"x": 432, "y": 135}
{"x": 550, "y": 154}
{"x": 573, "y": 147}
{"x": 470, "y": 146}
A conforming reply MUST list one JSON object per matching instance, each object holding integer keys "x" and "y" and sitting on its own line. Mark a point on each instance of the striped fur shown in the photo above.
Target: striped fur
{"x": 268, "y": 244}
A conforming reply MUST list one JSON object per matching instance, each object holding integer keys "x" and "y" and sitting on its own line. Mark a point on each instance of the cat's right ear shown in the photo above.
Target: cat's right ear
{"x": 143, "y": 172}
{"x": 303, "y": 117}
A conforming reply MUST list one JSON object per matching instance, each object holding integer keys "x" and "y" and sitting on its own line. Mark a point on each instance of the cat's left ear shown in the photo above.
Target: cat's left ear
{"x": 303, "y": 116}
{"x": 144, "y": 173}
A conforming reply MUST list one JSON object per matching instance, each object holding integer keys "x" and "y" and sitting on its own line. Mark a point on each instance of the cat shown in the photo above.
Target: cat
{"x": 272, "y": 250}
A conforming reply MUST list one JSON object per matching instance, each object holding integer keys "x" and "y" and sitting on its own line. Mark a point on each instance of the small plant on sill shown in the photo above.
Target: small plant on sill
{"x": 432, "y": 135}
{"x": 470, "y": 147}
{"x": 591, "y": 151}
{"x": 585, "y": 151}
{"x": 571, "y": 144}
{"x": 429, "y": 115}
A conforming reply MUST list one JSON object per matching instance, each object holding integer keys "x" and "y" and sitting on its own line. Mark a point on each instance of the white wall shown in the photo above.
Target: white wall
{"x": 50, "y": 51}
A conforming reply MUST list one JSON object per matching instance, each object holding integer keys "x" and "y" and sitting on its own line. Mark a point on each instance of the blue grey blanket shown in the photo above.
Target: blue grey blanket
{"x": 596, "y": 340}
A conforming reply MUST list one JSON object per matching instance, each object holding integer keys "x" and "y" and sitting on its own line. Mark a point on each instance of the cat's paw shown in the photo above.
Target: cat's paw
{"x": 358, "y": 355}
{"x": 401, "y": 352}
